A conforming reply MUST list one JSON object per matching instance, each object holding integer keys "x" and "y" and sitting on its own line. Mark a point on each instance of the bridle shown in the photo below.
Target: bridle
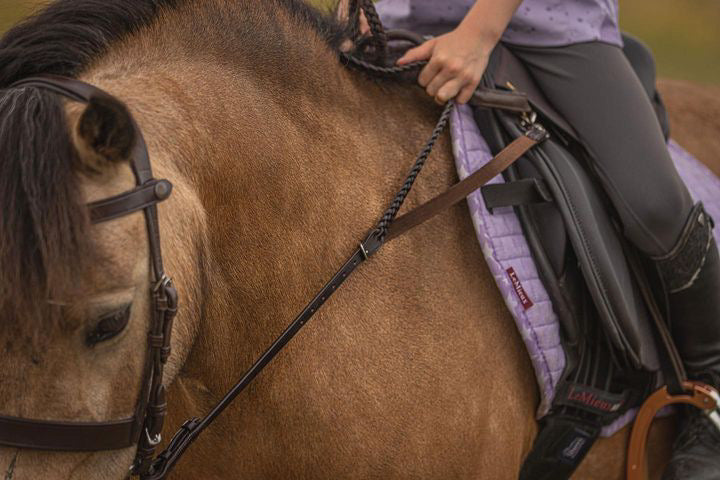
{"x": 145, "y": 427}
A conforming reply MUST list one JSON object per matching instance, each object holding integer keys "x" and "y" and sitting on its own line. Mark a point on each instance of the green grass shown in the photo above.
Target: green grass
{"x": 683, "y": 34}
{"x": 11, "y": 11}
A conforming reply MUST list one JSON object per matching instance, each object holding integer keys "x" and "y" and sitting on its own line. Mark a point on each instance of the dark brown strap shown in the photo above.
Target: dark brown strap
{"x": 671, "y": 364}
{"x": 129, "y": 202}
{"x": 67, "y": 436}
{"x": 503, "y": 100}
{"x": 461, "y": 190}
{"x": 80, "y": 91}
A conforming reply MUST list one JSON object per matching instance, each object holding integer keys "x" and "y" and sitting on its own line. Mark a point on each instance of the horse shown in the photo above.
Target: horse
{"x": 281, "y": 160}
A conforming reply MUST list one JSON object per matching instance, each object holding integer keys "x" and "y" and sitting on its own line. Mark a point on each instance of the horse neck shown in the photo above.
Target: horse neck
{"x": 281, "y": 165}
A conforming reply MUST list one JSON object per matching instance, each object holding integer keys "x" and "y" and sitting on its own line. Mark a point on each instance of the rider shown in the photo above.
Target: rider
{"x": 572, "y": 49}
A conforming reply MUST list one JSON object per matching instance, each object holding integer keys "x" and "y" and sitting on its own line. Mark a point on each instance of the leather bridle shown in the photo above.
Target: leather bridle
{"x": 145, "y": 426}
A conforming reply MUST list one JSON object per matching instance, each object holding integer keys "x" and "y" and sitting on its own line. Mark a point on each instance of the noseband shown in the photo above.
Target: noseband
{"x": 145, "y": 427}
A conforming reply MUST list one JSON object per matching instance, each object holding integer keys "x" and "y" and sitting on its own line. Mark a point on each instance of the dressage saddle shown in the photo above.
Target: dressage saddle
{"x": 589, "y": 269}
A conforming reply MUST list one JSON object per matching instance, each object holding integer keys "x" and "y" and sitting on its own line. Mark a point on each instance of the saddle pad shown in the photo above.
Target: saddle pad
{"x": 511, "y": 264}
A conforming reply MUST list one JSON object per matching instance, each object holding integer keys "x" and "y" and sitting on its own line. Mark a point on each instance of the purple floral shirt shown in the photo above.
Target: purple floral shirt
{"x": 541, "y": 23}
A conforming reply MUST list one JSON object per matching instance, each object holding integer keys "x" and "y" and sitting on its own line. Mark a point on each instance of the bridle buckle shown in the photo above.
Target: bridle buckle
{"x": 164, "y": 282}
{"x": 155, "y": 440}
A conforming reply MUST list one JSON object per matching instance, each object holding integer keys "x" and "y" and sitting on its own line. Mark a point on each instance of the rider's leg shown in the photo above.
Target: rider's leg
{"x": 595, "y": 88}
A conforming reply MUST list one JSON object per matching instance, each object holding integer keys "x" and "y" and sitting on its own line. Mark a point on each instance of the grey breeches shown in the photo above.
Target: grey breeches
{"x": 595, "y": 88}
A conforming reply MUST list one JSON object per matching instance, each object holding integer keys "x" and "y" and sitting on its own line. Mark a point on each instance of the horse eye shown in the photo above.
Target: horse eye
{"x": 108, "y": 326}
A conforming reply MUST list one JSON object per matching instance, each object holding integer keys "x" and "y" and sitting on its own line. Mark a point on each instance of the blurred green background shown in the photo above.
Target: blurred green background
{"x": 684, "y": 34}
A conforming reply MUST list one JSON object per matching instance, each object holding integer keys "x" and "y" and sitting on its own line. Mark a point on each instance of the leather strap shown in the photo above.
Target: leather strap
{"x": 461, "y": 190}
{"x": 129, "y": 202}
{"x": 526, "y": 191}
{"x": 500, "y": 99}
{"x": 67, "y": 436}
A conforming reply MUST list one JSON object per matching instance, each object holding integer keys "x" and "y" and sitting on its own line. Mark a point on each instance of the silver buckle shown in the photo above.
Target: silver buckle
{"x": 714, "y": 413}
{"x": 528, "y": 119}
{"x": 164, "y": 281}
{"x": 154, "y": 441}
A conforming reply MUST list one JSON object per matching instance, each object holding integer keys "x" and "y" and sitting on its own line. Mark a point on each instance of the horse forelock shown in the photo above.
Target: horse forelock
{"x": 43, "y": 227}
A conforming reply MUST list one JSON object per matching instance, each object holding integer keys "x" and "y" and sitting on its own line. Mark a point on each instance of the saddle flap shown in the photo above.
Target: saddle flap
{"x": 597, "y": 245}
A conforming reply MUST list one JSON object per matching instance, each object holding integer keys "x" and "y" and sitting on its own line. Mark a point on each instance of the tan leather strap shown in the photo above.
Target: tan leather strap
{"x": 462, "y": 189}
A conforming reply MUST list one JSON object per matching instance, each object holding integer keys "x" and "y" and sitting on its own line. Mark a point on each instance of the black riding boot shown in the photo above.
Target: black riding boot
{"x": 691, "y": 279}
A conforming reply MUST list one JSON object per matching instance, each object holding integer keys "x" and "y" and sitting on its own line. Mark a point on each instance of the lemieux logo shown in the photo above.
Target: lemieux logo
{"x": 519, "y": 290}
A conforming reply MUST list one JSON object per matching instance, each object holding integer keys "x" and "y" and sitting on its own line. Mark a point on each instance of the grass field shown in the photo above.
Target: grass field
{"x": 684, "y": 34}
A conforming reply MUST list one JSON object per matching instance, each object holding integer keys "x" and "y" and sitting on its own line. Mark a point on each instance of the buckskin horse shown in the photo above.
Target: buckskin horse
{"x": 281, "y": 159}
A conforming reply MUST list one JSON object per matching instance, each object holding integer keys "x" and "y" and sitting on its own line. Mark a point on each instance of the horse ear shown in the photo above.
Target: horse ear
{"x": 105, "y": 133}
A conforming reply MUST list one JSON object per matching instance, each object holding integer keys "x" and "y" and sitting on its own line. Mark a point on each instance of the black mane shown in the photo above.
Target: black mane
{"x": 65, "y": 37}
{"x": 43, "y": 225}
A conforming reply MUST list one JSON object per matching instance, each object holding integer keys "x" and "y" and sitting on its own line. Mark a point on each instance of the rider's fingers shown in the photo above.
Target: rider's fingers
{"x": 442, "y": 78}
{"x": 429, "y": 73}
{"x": 448, "y": 91}
{"x": 468, "y": 89}
{"x": 364, "y": 25}
{"x": 423, "y": 52}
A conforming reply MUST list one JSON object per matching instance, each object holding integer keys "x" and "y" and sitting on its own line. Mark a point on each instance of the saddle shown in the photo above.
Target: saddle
{"x": 611, "y": 357}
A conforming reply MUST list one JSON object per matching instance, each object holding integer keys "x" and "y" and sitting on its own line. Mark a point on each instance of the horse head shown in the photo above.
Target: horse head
{"x": 81, "y": 283}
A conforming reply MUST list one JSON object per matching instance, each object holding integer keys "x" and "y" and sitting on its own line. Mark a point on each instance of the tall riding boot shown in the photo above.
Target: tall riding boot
{"x": 691, "y": 279}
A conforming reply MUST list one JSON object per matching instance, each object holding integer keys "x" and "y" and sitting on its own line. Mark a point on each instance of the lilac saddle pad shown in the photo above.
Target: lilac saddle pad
{"x": 511, "y": 264}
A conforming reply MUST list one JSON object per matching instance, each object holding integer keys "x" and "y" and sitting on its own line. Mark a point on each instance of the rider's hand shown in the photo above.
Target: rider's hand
{"x": 457, "y": 61}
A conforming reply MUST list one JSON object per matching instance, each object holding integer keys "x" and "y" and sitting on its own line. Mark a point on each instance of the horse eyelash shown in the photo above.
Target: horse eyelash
{"x": 108, "y": 326}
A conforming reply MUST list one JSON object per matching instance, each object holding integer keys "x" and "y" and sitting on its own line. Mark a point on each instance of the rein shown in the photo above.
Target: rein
{"x": 145, "y": 428}
{"x": 388, "y": 228}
